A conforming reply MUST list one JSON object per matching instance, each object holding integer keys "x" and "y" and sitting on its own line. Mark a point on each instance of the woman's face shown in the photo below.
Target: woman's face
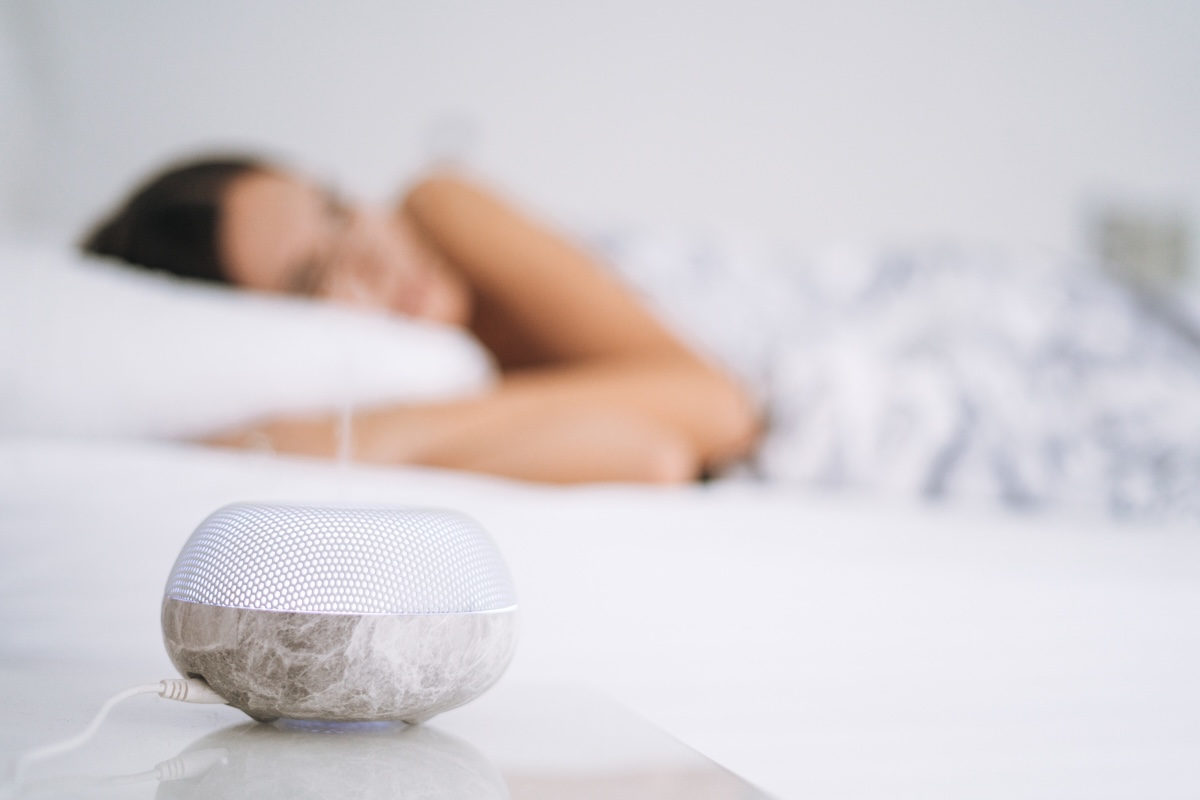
{"x": 280, "y": 233}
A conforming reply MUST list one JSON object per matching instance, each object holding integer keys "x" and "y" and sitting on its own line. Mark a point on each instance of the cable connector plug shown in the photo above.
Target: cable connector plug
{"x": 189, "y": 690}
{"x": 190, "y": 765}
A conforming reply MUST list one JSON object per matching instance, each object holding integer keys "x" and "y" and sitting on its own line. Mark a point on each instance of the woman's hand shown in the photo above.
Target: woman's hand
{"x": 315, "y": 436}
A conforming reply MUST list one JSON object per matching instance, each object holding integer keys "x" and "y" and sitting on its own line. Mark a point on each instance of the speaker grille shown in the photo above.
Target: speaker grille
{"x": 342, "y": 561}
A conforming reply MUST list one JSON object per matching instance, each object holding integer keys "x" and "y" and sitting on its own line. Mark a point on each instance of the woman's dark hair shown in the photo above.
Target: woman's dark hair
{"x": 171, "y": 222}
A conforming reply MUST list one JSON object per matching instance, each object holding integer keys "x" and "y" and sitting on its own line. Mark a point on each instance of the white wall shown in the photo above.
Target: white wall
{"x": 857, "y": 120}
{"x": 16, "y": 119}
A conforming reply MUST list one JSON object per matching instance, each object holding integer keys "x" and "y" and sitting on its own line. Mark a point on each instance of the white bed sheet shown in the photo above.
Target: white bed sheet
{"x": 821, "y": 647}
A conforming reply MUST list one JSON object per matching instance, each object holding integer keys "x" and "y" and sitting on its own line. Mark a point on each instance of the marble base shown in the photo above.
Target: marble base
{"x": 339, "y": 667}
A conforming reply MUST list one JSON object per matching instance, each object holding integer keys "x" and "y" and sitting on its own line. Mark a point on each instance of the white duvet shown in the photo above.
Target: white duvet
{"x": 945, "y": 372}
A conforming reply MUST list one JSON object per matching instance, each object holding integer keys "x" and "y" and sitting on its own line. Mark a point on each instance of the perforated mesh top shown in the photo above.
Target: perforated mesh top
{"x": 342, "y": 561}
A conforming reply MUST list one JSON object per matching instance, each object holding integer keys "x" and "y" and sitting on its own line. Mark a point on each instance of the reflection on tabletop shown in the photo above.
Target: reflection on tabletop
{"x": 544, "y": 744}
{"x": 305, "y": 760}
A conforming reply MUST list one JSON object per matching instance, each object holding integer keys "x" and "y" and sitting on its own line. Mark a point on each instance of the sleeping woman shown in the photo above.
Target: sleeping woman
{"x": 592, "y": 387}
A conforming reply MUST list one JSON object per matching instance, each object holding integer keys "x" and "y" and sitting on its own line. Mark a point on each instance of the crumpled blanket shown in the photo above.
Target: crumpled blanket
{"x": 943, "y": 372}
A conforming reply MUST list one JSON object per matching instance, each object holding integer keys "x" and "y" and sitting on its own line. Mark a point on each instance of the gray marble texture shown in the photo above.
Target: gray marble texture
{"x": 339, "y": 667}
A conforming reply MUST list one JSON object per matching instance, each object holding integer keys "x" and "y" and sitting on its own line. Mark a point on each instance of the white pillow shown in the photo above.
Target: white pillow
{"x": 90, "y": 348}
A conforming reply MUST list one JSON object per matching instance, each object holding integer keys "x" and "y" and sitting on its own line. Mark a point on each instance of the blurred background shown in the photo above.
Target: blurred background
{"x": 1062, "y": 123}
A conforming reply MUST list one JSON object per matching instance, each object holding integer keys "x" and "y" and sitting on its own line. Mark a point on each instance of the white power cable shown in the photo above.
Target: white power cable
{"x": 87, "y": 733}
{"x": 186, "y": 690}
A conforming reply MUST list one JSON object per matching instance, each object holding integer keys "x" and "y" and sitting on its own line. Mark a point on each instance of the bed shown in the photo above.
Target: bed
{"x": 856, "y": 637}
{"x": 817, "y": 644}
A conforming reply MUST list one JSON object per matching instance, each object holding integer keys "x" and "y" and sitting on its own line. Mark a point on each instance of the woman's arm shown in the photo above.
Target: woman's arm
{"x": 593, "y": 387}
{"x": 602, "y": 422}
{"x": 538, "y": 299}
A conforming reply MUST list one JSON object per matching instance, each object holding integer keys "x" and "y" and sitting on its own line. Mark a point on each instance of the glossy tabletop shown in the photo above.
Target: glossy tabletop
{"x": 516, "y": 741}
